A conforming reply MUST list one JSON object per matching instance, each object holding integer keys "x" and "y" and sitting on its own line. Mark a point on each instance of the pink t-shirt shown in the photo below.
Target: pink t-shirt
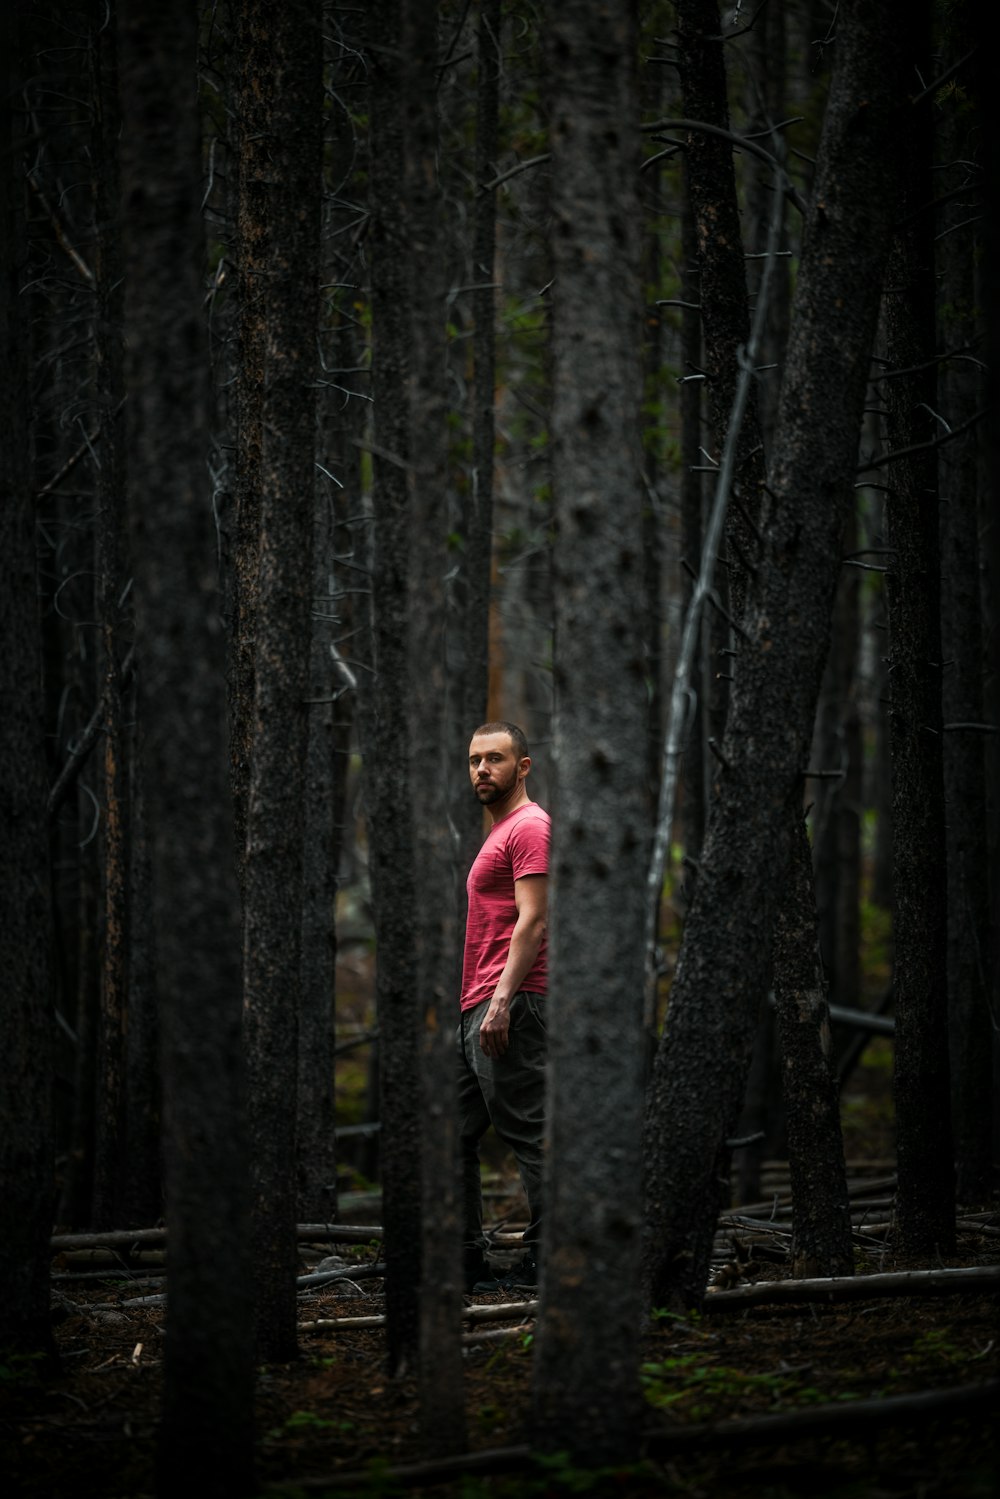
{"x": 515, "y": 846}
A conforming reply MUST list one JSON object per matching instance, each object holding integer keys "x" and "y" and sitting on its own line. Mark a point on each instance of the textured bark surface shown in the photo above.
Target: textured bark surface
{"x": 585, "y": 1392}
{"x": 315, "y": 1142}
{"x": 390, "y": 773}
{"x": 701, "y": 1064}
{"x": 431, "y": 743}
{"x": 725, "y": 315}
{"x": 821, "y": 1210}
{"x": 26, "y": 1164}
{"x": 962, "y": 394}
{"x": 113, "y": 573}
{"x": 726, "y": 331}
{"x": 925, "y": 1196}
{"x": 208, "y": 1359}
{"x": 837, "y": 799}
{"x": 290, "y": 84}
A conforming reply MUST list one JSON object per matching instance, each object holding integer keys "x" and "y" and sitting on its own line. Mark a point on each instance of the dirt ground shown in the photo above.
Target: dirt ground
{"x": 332, "y": 1422}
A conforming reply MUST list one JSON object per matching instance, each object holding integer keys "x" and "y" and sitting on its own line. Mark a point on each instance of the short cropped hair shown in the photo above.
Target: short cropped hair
{"x": 517, "y": 736}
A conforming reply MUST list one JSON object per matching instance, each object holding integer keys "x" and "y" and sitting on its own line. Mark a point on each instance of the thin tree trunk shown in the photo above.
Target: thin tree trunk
{"x": 26, "y": 1163}
{"x": 388, "y": 770}
{"x": 701, "y": 1065}
{"x": 962, "y": 394}
{"x": 110, "y": 1142}
{"x": 821, "y": 1239}
{"x": 430, "y": 728}
{"x": 208, "y": 1360}
{"x": 726, "y": 324}
{"x": 584, "y": 1387}
{"x": 925, "y": 1197}
{"x": 290, "y": 82}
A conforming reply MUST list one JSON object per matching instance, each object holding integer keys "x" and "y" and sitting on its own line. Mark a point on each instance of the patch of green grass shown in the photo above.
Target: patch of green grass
{"x": 702, "y": 1390}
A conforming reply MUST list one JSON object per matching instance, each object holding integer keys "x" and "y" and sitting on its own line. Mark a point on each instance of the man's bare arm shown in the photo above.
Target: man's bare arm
{"x": 531, "y": 897}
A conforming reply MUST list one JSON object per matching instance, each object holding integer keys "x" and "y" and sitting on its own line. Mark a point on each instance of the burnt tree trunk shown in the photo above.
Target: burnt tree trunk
{"x": 701, "y": 1065}
{"x": 726, "y": 331}
{"x": 925, "y": 1202}
{"x": 208, "y": 1361}
{"x": 962, "y": 394}
{"x": 110, "y": 1139}
{"x": 290, "y": 82}
{"x": 26, "y": 1159}
{"x": 388, "y": 770}
{"x": 585, "y": 1393}
{"x": 821, "y": 1209}
{"x": 430, "y": 730}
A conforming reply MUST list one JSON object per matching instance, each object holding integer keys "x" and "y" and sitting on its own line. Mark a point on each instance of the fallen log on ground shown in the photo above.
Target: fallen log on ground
{"x": 839, "y": 1419}
{"x": 973, "y": 1279}
{"x": 123, "y": 1238}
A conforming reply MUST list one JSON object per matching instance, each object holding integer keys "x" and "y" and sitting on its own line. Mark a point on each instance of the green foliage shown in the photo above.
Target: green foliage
{"x": 703, "y": 1390}
{"x": 305, "y": 1422}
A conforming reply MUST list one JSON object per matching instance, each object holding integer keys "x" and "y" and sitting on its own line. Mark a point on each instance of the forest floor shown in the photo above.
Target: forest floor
{"x": 332, "y": 1422}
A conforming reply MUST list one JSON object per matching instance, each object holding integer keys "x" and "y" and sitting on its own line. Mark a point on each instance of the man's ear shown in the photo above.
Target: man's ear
{"x": 525, "y": 766}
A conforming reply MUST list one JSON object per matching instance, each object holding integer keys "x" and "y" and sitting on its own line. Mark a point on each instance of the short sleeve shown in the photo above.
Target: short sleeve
{"x": 528, "y": 846}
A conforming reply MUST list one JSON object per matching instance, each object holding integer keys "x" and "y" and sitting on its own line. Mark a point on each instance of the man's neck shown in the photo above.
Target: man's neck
{"x": 498, "y": 810}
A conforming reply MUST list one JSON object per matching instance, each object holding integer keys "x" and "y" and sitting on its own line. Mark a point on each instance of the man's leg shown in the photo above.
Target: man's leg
{"x": 473, "y": 1122}
{"x": 513, "y": 1087}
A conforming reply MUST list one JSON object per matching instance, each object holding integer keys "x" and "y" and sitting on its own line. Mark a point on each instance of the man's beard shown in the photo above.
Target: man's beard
{"x": 493, "y": 791}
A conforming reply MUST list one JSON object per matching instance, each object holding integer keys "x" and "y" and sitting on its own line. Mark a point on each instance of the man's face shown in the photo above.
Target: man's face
{"x": 494, "y": 767}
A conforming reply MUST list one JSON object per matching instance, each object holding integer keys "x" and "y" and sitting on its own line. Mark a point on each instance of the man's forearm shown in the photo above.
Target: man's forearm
{"x": 525, "y": 944}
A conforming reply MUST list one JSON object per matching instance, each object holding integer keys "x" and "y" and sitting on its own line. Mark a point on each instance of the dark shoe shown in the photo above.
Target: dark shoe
{"x": 476, "y": 1273}
{"x": 520, "y": 1277}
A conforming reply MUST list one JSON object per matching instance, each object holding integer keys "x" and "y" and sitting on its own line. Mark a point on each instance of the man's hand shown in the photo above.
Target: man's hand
{"x": 531, "y": 900}
{"x": 495, "y": 1029}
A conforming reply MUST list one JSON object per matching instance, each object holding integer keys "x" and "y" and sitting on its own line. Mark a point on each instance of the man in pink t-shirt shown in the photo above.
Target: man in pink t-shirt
{"x": 501, "y": 1036}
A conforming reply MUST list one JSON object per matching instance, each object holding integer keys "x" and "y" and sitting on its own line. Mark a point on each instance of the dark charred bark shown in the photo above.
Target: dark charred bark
{"x": 143, "y": 1189}
{"x": 584, "y": 1389}
{"x": 726, "y": 330}
{"x": 836, "y": 798}
{"x": 962, "y": 394}
{"x": 26, "y": 1162}
{"x": 821, "y": 1226}
{"x": 430, "y": 728}
{"x": 925, "y": 1201}
{"x": 725, "y": 316}
{"x": 701, "y": 1065}
{"x": 315, "y": 1145}
{"x": 112, "y": 566}
{"x": 388, "y": 769}
{"x": 208, "y": 1361}
{"x": 695, "y": 777}
{"x": 289, "y": 184}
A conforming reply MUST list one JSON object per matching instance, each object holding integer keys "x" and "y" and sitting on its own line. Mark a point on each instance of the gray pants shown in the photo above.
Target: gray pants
{"x": 509, "y": 1093}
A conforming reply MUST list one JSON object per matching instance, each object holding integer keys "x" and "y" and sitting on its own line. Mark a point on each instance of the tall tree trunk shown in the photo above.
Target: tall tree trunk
{"x": 837, "y": 798}
{"x": 962, "y": 395}
{"x": 584, "y": 1391}
{"x": 110, "y": 1140}
{"x": 701, "y": 1065}
{"x": 821, "y": 1210}
{"x": 430, "y": 729}
{"x": 316, "y": 1146}
{"x": 26, "y": 1162}
{"x": 726, "y": 324}
{"x": 208, "y": 1361}
{"x": 925, "y": 1201}
{"x": 695, "y": 778}
{"x": 288, "y": 47}
{"x": 388, "y": 771}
